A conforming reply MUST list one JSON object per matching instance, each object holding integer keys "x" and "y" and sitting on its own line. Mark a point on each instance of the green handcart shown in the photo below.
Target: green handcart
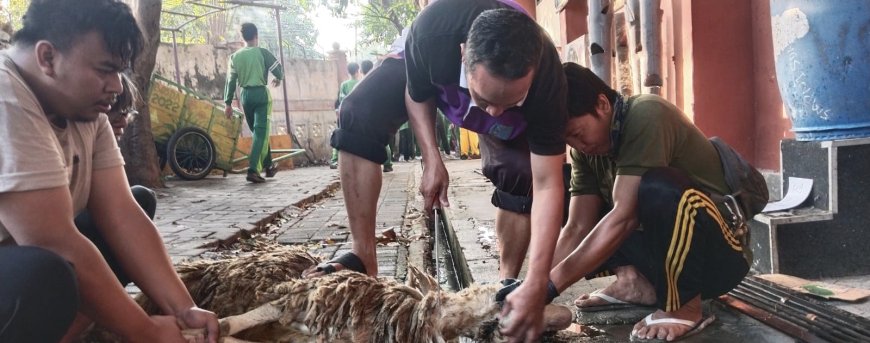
{"x": 192, "y": 134}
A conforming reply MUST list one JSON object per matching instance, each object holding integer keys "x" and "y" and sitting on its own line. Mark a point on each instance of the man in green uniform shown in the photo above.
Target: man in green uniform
{"x": 249, "y": 68}
{"x": 646, "y": 205}
{"x": 343, "y": 90}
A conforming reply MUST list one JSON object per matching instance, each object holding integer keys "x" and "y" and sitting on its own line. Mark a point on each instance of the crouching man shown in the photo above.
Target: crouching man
{"x": 60, "y": 158}
{"x": 656, "y": 176}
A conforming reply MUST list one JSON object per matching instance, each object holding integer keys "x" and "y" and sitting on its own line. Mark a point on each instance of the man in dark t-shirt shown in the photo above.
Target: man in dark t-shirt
{"x": 490, "y": 69}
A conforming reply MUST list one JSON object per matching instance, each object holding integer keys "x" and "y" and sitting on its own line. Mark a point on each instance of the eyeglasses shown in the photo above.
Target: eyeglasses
{"x": 128, "y": 113}
{"x": 125, "y": 115}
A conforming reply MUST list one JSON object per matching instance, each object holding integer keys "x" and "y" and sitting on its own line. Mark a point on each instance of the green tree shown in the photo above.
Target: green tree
{"x": 5, "y": 27}
{"x": 381, "y": 21}
{"x": 196, "y": 24}
{"x": 11, "y": 14}
{"x": 297, "y": 29}
{"x": 215, "y": 26}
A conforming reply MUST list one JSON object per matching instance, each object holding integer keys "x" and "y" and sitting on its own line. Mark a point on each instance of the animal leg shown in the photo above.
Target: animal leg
{"x": 261, "y": 315}
{"x": 234, "y": 324}
{"x": 234, "y": 340}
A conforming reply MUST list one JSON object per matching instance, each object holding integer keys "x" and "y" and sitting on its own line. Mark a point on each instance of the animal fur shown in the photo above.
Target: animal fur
{"x": 264, "y": 291}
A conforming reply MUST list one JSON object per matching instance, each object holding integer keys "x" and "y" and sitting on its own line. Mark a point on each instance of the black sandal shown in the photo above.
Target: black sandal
{"x": 349, "y": 260}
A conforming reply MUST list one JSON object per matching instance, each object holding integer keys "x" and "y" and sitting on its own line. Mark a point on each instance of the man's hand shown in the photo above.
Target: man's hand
{"x": 433, "y": 187}
{"x": 228, "y": 110}
{"x": 276, "y": 82}
{"x": 197, "y": 318}
{"x": 522, "y": 316}
{"x": 159, "y": 329}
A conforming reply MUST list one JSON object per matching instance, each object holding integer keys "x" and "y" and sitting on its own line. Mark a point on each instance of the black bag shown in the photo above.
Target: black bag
{"x": 748, "y": 195}
{"x": 747, "y": 184}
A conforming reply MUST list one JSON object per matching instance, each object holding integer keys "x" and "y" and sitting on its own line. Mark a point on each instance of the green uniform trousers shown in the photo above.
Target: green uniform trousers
{"x": 257, "y": 105}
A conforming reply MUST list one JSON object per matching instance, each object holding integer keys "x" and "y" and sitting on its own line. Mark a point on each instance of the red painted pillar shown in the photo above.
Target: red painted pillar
{"x": 723, "y": 72}
{"x": 772, "y": 124}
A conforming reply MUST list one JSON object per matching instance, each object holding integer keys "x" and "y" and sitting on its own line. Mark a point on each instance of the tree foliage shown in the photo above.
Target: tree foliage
{"x": 297, "y": 29}
{"x": 5, "y": 27}
{"x": 338, "y": 8}
{"x": 379, "y": 22}
{"x": 216, "y": 26}
{"x": 208, "y": 26}
{"x": 10, "y": 14}
{"x": 382, "y": 21}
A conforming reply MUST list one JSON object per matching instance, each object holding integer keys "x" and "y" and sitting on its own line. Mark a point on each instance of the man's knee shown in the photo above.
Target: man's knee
{"x": 664, "y": 179}
{"x": 659, "y": 193}
{"x": 367, "y": 147}
{"x": 38, "y": 297}
{"x": 146, "y": 198}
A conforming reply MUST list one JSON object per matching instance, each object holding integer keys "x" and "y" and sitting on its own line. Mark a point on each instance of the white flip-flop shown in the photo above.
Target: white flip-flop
{"x": 695, "y": 327}
{"x": 611, "y": 305}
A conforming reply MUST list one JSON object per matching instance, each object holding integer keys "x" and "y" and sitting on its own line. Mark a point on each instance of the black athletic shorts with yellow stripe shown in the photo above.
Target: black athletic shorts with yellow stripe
{"x": 685, "y": 248}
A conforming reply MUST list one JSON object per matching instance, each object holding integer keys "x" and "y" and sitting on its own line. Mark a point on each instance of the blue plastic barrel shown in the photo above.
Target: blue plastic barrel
{"x": 822, "y": 52}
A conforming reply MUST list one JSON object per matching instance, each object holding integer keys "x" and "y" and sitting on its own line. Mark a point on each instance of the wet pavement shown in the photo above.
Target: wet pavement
{"x": 305, "y": 206}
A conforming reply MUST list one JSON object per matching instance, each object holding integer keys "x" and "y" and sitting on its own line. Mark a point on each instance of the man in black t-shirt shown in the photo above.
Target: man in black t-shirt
{"x": 490, "y": 69}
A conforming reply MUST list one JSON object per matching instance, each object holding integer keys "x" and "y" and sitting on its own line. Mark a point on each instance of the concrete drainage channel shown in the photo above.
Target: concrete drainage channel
{"x": 452, "y": 270}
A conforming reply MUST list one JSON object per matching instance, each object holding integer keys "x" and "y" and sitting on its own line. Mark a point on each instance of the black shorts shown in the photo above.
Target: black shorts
{"x": 373, "y": 112}
{"x": 146, "y": 199}
{"x": 507, "y": 164}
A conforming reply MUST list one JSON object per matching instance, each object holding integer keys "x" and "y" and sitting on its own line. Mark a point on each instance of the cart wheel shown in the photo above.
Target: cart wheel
{"x": 190, "y": 153}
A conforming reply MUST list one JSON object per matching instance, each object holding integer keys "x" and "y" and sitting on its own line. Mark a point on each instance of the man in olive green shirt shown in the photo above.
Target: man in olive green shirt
{"x": 642, "y": 180}
{"x": 249, "y": 68}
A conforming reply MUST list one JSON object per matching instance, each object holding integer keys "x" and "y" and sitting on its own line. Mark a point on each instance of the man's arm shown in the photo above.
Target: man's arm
{"x": 435, "y": 179}
{"x": 274, "y": 67}
{"x": 230, "y": 88}
{"x": 127, "y": 229}
{"x": 584, "y": 211}
{"x": 525, "y": 306}
{"x": 546, "y": 220}
{"x": 605, "y": 238}
{"x": 31, "y": 223}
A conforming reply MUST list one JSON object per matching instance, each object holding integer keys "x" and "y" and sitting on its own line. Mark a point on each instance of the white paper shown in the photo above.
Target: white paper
{"x": 799, "y": 190}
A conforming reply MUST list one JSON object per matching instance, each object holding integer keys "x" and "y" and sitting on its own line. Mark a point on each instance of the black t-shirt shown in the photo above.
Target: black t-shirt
{"x": 433, "y": 58}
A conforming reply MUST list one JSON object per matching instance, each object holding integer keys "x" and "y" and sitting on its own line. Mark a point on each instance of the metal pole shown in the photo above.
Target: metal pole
{"x": 632, "y": 28}
{"x": 601, "y": 38}
{"x": 651, "y": 36}
{"x": 284, "y": 81}
{"x": 175, "y": 54}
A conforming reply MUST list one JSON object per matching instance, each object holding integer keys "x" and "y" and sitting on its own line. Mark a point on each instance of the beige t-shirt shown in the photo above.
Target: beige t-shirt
{"x": 38, "y": 155}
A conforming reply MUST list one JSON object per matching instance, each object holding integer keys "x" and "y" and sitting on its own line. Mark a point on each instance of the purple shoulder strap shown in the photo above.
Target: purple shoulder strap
{"x": 515, "y": 5}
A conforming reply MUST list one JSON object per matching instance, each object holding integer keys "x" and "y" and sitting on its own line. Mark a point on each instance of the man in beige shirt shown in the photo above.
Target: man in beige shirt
{"x": 60, "y": 158}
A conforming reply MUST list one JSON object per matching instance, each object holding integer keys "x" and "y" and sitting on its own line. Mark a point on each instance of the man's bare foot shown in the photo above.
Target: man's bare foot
{"x": 670, "y": 330}
{"x": 630, "y": 287}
